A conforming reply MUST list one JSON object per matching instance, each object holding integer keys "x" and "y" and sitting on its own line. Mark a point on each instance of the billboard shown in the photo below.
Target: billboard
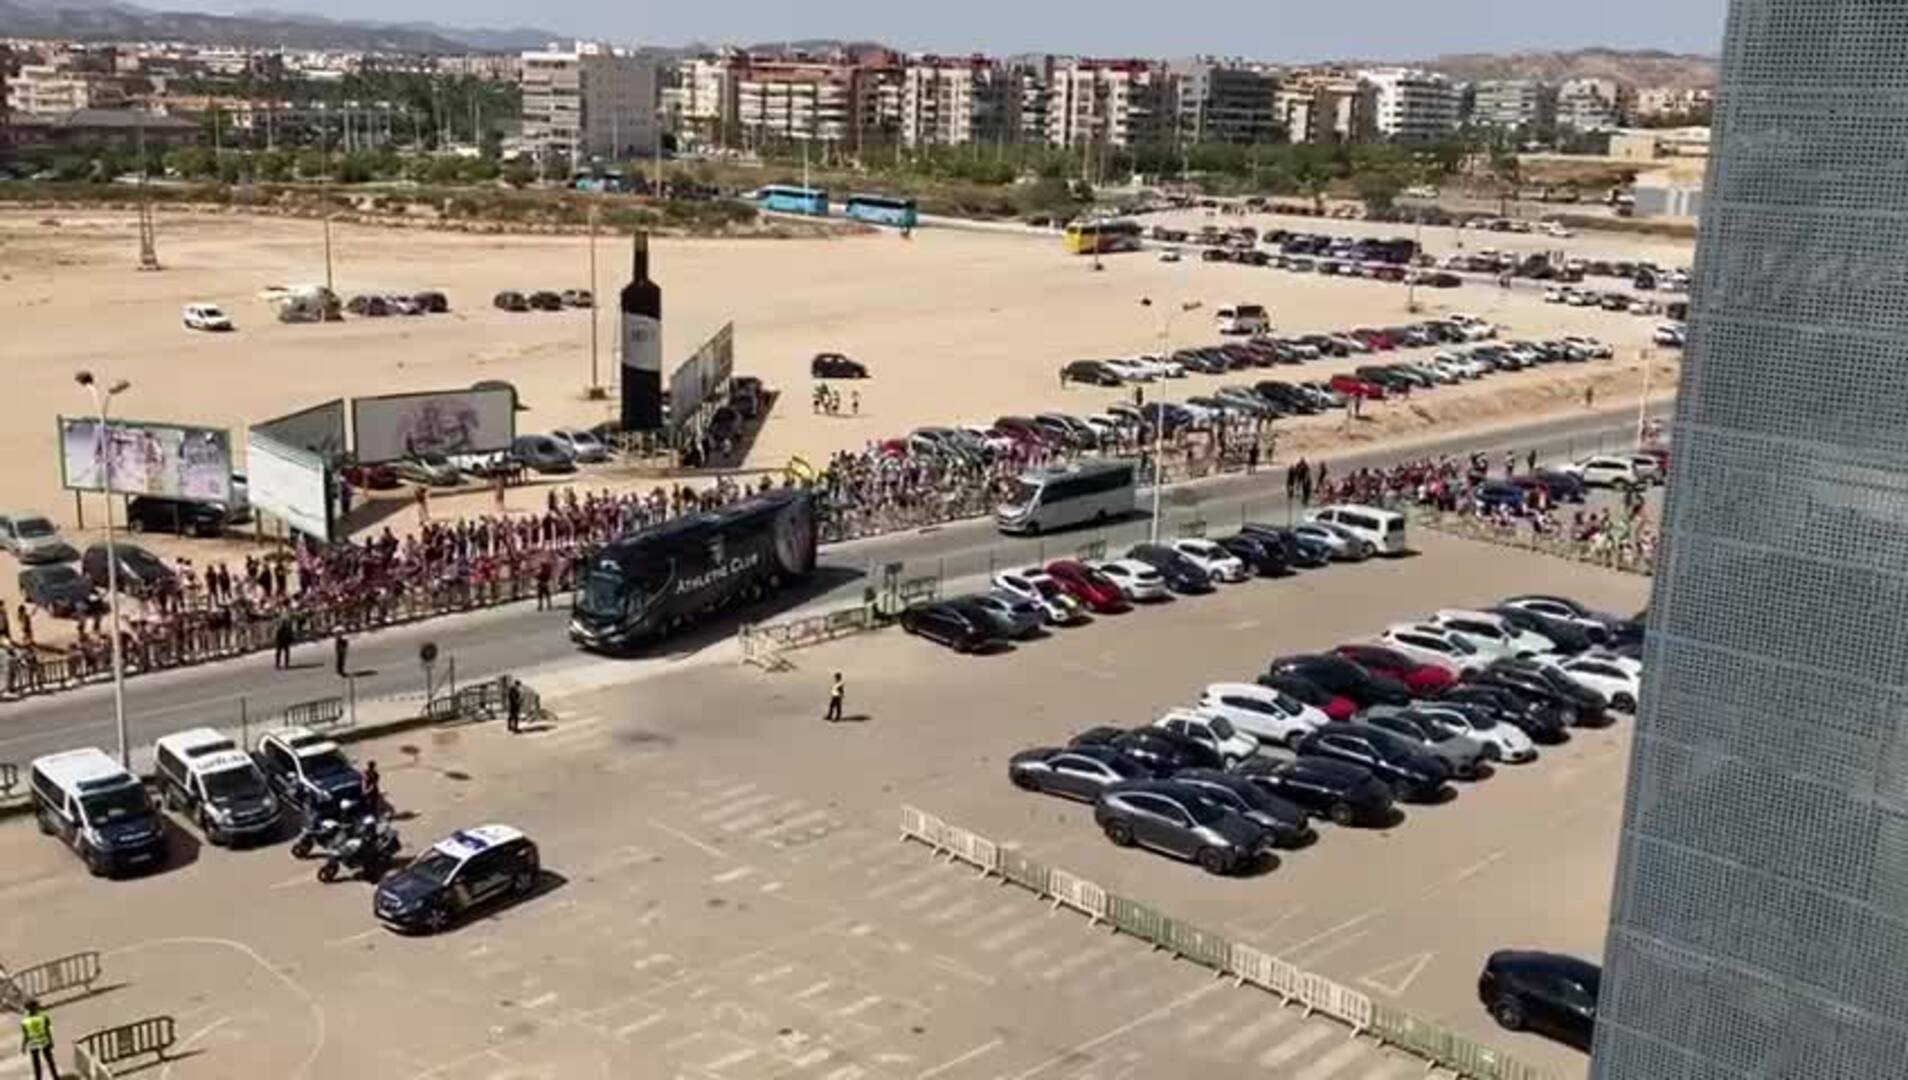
{"x": 399, "y": 426}
{"x": 171, "y": 461}
{"x": 288, "y": 482}
{"x": 319, "y": 430}
{"x": 700, "y": 378}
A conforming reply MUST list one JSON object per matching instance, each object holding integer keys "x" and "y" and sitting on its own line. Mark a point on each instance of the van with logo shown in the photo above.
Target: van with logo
{"x": 98, "y": 809}
{"x": 205, "y": 776}
{"x": 1244, "y": 319}
{"x": 1383, "y": 529}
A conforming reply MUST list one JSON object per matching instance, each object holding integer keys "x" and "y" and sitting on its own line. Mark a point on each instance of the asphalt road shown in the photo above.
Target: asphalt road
{"x": 520, "y": 640}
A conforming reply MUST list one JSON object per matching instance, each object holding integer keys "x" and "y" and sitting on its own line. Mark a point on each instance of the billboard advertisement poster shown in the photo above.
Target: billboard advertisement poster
{"x": 401, "y": 426}
{"x": 288, "y": 482}
{"x": 169, "y": 461}
{"x": 319, "y": 429}
{"x": 697, "y": 380}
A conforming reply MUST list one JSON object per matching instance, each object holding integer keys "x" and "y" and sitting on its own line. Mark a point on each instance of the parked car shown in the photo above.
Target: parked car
{"x": 1433, "y": 645}
{"x": 953, "y": 625}
{"x": 34, "y": 540}
{"x": 1334, "y": 706}
{"x": 369, "y": 305}
{"x": 577, "y": 298}
{"x": 307, "y": 770}
{"x": 204, "y": 775}
{"x": 1012, "y": 617}
{"x": 1502, "y": 741}
{"x": 431, "y": 302}
{"x": 59, "y": 590}
{"x": 1341, "y": 676}
{"x": 1564, "y": 639}
{"x": 1462, "y": 755}
{"x": 429, "y": 470}
{"x": 1354, "y": 387}
{"x": 1420, "y": 678}
{"x": 1543, "y": 719}
{"x": 1609, "y": 470}
{"x": 1218, "y": 563}
{"x": 1342, "y": 792}
{"x": 1544, "y": 992}
{"x": 1598, "y": 626}
{"x": 1074, "y": 772}
{"x": 1288, "y": 823}
{"x": 141, "y": 573}
{"x": 1489, "y": 634}
{"x": 1535, "y": 687}
{"x": 510, "y": 300}
{"x": 1270, "y": 714}
{"x": 1212, "y": 731}
{"x": 1180, "y": 573}
{"x": 545, "y": 300}
{"x": 1301, "y": 550}
{"x": 1260, "y": 554}
{"x": 836, "y": 366}
{"x": 1091, "y": 373}
{"x": 1403, "y": 766}
{"x": 1165, "y": 752}
{"x": 379, "y": 477}
{"x": 1589, "y": 706}
{"x": 1618, "y": 678}
{"x": 582, "y": 444}
{"x": 205, "y": 317}
{"x": 1173, "y": 819}
{"x": 1032, "y": 584}
{"x": 1344, "y": 546}
{"x": 1099, "y": 593}
{"x": 543, "y": 454}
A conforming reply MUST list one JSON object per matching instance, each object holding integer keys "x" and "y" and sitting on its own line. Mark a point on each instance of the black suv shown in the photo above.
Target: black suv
{"x": 148, "y": 513}
{"x": 1345, "y": 793}
{"x": 1164, "y": 752}
{"x": 836, "y": 366}
{"x": 465, "y": 870}
{"x": 1342, "y": 677}
{"x": 1090, "y": 372}
{"x": 1407, "y": 770}
{"x": 140, "y": 571}
{"x": 1541, "y": 991}
{"x": 1182, "y": 575}
{"x": 949, "y": 624}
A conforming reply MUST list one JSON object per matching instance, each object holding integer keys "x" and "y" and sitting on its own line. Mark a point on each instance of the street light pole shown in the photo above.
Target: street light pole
{"x": 102, "y": 405}
{"x": 1159, "y": 421}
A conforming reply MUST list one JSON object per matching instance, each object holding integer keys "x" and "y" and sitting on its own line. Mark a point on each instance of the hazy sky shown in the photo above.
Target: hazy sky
{"x": 1268, "y": 29}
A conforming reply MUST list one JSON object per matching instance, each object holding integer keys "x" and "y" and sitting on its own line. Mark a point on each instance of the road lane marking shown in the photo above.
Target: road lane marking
{"x": 690, "y": 840}
{"x": 1404, "y": 972}
{"x": 1143, "y": 1019}
{"x": 1295, "y": 1044}
{"x": 1334, "y": 1061}
{"x": 736, "y": 874}
{"x": 986, "y": 1047}
{"x": 736, "y": 1058}
{"x": 645, "y": 1023}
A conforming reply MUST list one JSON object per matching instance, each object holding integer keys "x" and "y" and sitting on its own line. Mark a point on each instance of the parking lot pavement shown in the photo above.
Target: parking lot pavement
{"x": 726, "y": 896}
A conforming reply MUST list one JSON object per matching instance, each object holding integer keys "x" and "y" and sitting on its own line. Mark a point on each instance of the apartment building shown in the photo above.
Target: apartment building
{"x": 1412, "y": 106}
{"x": 1219, "y": 102}
{"x": 796, "y": 101}
{"x": 958, "y": 102}
{"x": 589, "y": 100}
{"x": 54, "y": 90}
{"x": 1593, "y": 104}
{"x": 1326, "y": 107}
{"x": 1512, "y": 105}
{"x": 1109, "y": 103}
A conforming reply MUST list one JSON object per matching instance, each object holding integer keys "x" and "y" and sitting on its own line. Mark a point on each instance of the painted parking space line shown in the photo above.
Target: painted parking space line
{"x": 1334, "y": 1061}
{"x": 1297, "y": 1043}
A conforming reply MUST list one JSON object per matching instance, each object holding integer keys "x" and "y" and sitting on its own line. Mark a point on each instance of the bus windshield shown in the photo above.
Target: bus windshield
{"x": 1022, "y": 493}
{"x": 602, "y": 593}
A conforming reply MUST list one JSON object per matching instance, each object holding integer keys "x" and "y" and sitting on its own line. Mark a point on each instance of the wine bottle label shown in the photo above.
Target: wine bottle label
{"x": 642, "y": 342}
{"x": 642, "y": 373}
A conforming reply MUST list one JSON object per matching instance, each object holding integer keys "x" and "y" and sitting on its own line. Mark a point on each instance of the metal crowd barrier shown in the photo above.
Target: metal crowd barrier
{"x": 106, "y": 1048}
{"x": 1620, "y": 556}
{"x": 44, "y": 981}
{"x": 9, "y": 778}
{"x": 322, "y": 713}
{"x": 1390, "y": 1025}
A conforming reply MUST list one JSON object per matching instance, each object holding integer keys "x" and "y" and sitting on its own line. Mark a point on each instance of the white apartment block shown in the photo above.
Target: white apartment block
{"x": 701, "y": 98}
{"x": 1412, "y": 106}
{"x": 1323, "y": 107}
{"x": 48, "y": 90}
{"x": 1108, "y": 103}
{"x": 957, "y": 102}
{"x": 1593, "y": 104}
{"x": 1510, "y": 104}
{"x": 589, "y": 101}
{"x": 797, "y": 102}
{"x": 1673, "y": 101}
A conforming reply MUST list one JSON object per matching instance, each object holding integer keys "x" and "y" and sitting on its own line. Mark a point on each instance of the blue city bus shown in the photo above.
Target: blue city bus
{"x": 789, "y": 199}
{"x": 882, "y": 210}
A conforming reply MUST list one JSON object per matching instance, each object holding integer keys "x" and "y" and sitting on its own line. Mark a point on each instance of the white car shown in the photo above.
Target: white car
{"x": 1581, "y": 299}
{"x": 1617, "y": 678}
{"x": 1598, "y": 350}
{"x": 1608, "y": 470}
{"x": 1134, "y": 370}
{"x": 1136, "y": 579}
{"x": 1434, "y": 645}
{"x": 1213, "y": 731}
{"x": 1671, "y": 336}
{"x": 205, "y": 317}
{"x": 1218, "y": 563}
{"x": 1554, "y": 296}
{"x": 1556, "y": 229}
{"x": 1502, "y": 742}
{"x": 995, "y": 442}
{"x": 1272, "y": 715}
{"x": 583, "y": 444}
{"x": 1492, "y": 637}
{"x": 1594, "y": 625}
{"x": 1165, "y": 367}
{"x": 1033, "y": 584}
{"x": 1170, "y": 255}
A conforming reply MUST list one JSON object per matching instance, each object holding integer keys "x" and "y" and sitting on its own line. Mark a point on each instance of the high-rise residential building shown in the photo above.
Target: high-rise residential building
{"x": 957, "y": 101}
{"x": 1109, "y": 103}
{"x": 1512, "y": 105}
{"x": 797, "y": 101}
{"x": 53, "y": 90}
{"x": 589, "y": 100}
{"x": 1412, "y": 106}
{"x": 1759, "y": 926}
{"x": 1326, "y": 107}
{"x": 1593, "y": 104}
{"x": 1231, "y": 103}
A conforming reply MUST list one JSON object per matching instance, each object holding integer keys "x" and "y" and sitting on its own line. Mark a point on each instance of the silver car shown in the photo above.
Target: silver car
{"x": 583, "y": 444}
{"x": 1013, "y": 616}
{"x": 1463, "y": 755}
{"x": 1346, "y": 546}
{"x": 34, "y": 540}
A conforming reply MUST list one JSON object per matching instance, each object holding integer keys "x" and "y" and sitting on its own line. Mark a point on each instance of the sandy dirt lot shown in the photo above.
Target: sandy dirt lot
{"x": 957, "y": 326}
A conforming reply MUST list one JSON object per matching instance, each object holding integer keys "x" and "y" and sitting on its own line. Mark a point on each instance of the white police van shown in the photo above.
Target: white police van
{"x": 204, "y": 775}
{"x": 98, "y": 809}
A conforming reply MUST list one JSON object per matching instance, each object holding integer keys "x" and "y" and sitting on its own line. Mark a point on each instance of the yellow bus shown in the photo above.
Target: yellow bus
{"x": 1088, "y": 237}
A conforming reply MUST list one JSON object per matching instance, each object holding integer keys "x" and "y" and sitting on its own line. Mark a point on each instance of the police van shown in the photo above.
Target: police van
{"x": 204, "y": 775}
{"x": 98, "y": 809}
{"x": 465, "y": 870}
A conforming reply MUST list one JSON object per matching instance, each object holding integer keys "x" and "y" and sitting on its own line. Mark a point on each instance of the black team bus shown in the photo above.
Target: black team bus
{"x": 644, "y": 586}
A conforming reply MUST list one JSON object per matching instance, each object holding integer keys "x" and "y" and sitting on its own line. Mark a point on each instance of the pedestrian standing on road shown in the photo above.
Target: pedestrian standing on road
{"x": 854, "y": 402}
{"x": 1589, "y": 397}
{"x": 1252, "y": 458}
{"x": 423, "y": 505}
{"x": 340, "y": 649}
{"x": 1530, "y": 462}
{"x": 543, "y": 584}
{"x": 513, "y": 704}
{"x": 6, "y": 630}
{"x": 344, "y": 497}
{"x": 835, "y": 693}
{"x": 282, "y": 643}
{"x": 500, "y": 492}
{"x": 36, "y": 1039}
{"x": 373, "y": 788}
{"x": 25, "y": 619}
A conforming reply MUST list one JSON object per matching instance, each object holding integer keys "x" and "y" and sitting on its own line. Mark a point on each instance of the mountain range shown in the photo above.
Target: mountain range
{"x": 1639, "y": 68}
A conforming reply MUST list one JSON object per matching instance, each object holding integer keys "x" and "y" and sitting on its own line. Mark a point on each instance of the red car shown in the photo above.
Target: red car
{"x": 1353, "y": 386}
{"x": 1335, "y": 706}
{"x": 371, "y": 477}
{"x": 1423, "y": 680}
{"x": 1095, "y": 590}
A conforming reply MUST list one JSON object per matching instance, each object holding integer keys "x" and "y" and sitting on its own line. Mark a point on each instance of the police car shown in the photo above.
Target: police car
{"x": 306, "y": 768}
{"x": 465, "y": 870}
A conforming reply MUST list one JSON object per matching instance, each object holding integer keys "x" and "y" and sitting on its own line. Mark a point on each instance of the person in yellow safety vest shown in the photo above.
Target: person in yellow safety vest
{"x": 36, "y": 1039}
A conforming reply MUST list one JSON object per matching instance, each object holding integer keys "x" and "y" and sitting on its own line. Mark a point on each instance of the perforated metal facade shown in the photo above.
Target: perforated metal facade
{"x": 1760, "y": 922}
